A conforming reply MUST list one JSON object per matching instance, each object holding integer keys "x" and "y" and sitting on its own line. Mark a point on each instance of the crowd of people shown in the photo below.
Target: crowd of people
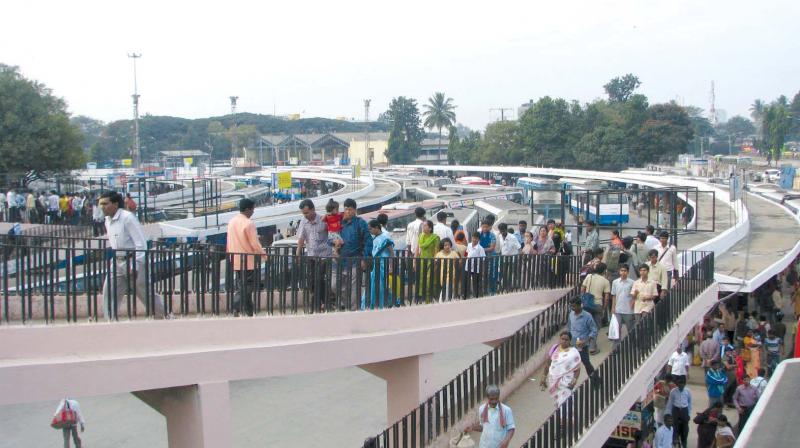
{"x": 30, "y": 207}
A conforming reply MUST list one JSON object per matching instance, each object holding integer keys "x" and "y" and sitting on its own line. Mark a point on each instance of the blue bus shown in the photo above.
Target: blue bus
{"x": 587, "y": 198}
{"x": 542, "y": 195}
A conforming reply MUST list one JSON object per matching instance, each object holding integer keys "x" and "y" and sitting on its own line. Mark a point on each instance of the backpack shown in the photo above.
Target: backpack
{"x": 587, "y": 299}
{"x": 611, "y": 258}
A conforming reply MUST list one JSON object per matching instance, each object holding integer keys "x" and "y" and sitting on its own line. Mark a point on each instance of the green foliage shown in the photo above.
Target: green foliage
{"x": 602, "y": 135}
{"x": 35, "y": 130}
{"x": 210, "y": 134}
{"x": 739, "y": 126}
{"x": 603, "y": 147}
{"x": 464, "y": 150}
{"x": 548, "y": 131}
{"x": 501, "y": 145}
{"x": 405, "y": 133}
{"x": 775, "y": 126}
{"x": 665, "y": 134}
{"x": 439, "y": 113}
{"x": 620, "y": 89}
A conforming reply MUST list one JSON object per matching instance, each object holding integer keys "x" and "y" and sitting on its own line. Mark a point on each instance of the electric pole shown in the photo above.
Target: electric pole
{"x": 502, "y": 112}
{"x": 135, "y": 152}
{"x": 366, "y": 135}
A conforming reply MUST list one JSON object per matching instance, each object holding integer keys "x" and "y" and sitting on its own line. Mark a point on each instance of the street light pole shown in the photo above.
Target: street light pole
{"x": 136, "y": 155}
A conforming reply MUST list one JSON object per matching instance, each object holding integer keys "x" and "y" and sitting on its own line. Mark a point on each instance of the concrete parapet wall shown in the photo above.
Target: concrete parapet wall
{"x": 45, "y": 362}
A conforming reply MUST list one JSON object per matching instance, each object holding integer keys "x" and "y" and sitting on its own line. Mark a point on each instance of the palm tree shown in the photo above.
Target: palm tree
{"x": 439, "y": 113}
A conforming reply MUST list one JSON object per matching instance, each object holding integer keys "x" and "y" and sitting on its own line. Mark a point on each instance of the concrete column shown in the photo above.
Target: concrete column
{"x": 198, "y": 416}
{"x": 408, "y": 383}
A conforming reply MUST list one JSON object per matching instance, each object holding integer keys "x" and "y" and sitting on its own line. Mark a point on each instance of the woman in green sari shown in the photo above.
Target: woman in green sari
{"x": 428, "y": 245}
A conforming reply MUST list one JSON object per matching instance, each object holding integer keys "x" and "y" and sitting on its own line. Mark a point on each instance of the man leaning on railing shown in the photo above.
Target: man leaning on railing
{"x": 242, "y": 239}
{"x": 126, "y": 236}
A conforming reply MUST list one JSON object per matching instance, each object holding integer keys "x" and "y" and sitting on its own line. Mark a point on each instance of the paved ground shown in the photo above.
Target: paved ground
{"x": 338, "y": 408}
{"x": 773, "y": 233}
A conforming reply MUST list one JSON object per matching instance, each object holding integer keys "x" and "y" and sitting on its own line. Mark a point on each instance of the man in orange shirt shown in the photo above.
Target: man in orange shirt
{"x": 242, "y": 240}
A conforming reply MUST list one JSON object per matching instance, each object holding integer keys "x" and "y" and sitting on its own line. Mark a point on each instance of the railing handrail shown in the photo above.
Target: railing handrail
{"x": 567, "y": 423}
{"x": 286, "y": 282}
{"x": 418, "y": 428}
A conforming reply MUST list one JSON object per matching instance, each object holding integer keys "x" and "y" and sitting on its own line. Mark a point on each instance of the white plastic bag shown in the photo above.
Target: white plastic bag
{"x": 613, "y": 328}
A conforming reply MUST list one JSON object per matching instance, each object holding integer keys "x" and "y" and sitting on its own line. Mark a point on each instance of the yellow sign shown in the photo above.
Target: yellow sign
{"x": 285, "y": 180}
{"x": 188, "y": 161}
{"x": 127, "y": 162}
{"x": 356, "y": 171}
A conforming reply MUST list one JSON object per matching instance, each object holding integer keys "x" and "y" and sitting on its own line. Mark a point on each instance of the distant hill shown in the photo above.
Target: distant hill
{"x": 113, "y": 140}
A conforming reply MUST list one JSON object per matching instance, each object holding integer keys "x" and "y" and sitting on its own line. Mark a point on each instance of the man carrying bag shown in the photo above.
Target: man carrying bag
{"x": 67, "y": 416}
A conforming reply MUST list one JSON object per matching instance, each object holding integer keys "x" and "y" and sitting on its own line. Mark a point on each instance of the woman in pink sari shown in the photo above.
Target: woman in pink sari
{"x": 562, "y": 369}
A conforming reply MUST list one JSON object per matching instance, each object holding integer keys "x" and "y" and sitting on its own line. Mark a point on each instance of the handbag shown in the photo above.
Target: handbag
{"x": 613, "y": 328}
{"x": 65, "y": 417}
{"x": 587, "y": 299}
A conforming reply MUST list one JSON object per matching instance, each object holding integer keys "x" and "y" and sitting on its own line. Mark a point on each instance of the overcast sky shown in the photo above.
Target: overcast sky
{"x": 322, "y": 58}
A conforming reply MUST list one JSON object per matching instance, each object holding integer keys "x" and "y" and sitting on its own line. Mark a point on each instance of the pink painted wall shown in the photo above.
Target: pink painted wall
{"x": 46, "y": 362}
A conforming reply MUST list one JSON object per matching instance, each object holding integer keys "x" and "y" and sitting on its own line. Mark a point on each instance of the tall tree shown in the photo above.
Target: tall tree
{"x": 739, "y": 126}
{"x": 776, "y": 124}
{"x": 439, "y": 113}
{"x": 666, "y": 133}
{"x": 620, "y": 89}
{"x": 35, "y": 132}
{"x": 405, "y": 130}
{"x": 548, "y": 131}
{"x": 501, "y": 144}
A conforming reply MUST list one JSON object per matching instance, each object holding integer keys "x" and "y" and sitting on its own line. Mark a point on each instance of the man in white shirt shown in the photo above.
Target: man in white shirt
{"x": 72, "y": 430}
{"x": 475, "y": 256}
{"x": 509, "y": 244}
{"x": 664, "y": 434}
{"x": 11, "y": 200}
{"x": 667, "y": 256}
{"x": 651, "y": 242}
{"x": 77, "y": 209}
{"x": 679, "y": 364}
{"x": 414, "y": 229}
{"x": 442, "y": 230}
{"x": 52, "y": 207}
{"x": 126, "y": 236}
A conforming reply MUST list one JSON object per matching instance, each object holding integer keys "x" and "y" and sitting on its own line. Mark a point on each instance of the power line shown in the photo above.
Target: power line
{"x": 502, "y": 112}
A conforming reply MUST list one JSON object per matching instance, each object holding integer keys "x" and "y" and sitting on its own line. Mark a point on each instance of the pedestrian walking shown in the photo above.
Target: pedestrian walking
{"x": 744, "y": 399}
{"x": 597, "y": 285}
{"x": 495, "y": 421}
{"x": 679, "y": 406}
{"x": 561, "y": 369}
{"x": 622, "y": 302}
{"x": 67, "y": 418}
{"x": 582, "y": 327}
{"x": 126, "y": 236}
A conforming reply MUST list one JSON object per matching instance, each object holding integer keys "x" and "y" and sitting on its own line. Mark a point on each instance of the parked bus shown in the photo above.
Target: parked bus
{"x": 543, "y": 195}
{"x": 591, "y": 199}
{"x": 507, "y": 212}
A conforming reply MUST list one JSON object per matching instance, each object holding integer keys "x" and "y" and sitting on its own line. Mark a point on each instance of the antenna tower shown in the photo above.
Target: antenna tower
{"x": 713, "y": 110}
{"x": 234, "y": 140}
{"x": 136, "y": 150}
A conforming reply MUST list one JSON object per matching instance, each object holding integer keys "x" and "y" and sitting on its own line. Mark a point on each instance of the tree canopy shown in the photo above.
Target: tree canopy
{"x": 602, "y": 135}
{"x": 35, "y": 129}
{"x": 439, "y": 113}
{"x": 621, "y": 88}
{"x": 405, "y": 130}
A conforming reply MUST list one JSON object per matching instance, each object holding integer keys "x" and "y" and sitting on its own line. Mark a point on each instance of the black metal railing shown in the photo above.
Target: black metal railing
{"x": 75, "y": 279}
{"x": 567, "y": 423}
{"x": 445, "y": 408}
